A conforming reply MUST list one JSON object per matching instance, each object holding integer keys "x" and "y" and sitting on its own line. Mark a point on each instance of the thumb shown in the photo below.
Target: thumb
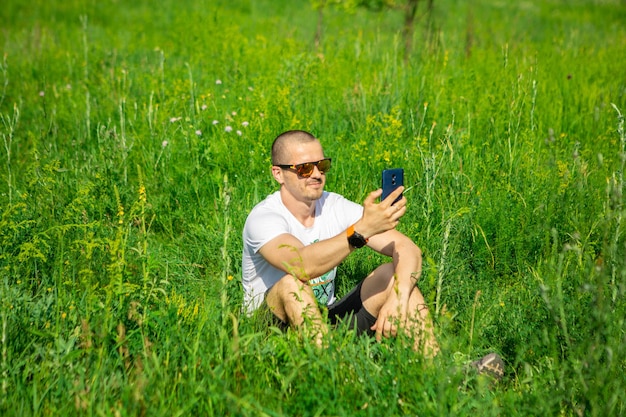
{"x": 371, "y": 197}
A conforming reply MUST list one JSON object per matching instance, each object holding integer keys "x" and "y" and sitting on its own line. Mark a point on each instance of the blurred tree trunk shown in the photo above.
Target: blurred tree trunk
{"x": 469, "y": 31}
{"x": 320, "y": 27}
{"x": 408, "y": 30}
{"x": 409, "y": 7}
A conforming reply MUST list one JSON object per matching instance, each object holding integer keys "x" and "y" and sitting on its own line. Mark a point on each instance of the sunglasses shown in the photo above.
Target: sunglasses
{"x": 305, "y": 170}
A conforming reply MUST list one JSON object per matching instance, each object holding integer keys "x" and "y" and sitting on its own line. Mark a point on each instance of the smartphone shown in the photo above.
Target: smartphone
{"x": 392, "y": 179}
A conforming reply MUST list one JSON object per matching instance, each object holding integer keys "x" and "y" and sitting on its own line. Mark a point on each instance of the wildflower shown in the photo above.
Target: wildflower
{"x": 215, "y": 122}
{"x": 142, "y": 193}
{"x": 63, "y": 315}
{"x": 239, "y": 132}
{"x": 164, "y": 143}
{"x": 68, "y": 86}
{"x": 245, "y": 124}
{"x": 199, "y": 132}
{"x": 250, "y": 88}
{"x": 204, "y": 107}
{"x": 175, "y": 119}
{"x": 41, "y": 94}
{"x": 218, "y": 82}
{"x": 234, "y": 113}
{"x": 261, "y": 114}
{"x": 120, "y": 214}
{"x": 230, "y": 277}
{"x": 228, "y": 129}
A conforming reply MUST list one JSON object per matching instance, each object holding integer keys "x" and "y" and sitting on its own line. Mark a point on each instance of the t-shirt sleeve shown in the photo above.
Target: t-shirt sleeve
{"x": 263, "y": 226}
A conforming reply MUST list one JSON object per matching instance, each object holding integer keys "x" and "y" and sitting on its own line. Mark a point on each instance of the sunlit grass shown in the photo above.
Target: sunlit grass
{"x": 135, "y": 139}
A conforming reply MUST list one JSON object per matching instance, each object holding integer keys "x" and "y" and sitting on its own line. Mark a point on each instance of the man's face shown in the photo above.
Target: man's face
{"x": 303, "y": 189}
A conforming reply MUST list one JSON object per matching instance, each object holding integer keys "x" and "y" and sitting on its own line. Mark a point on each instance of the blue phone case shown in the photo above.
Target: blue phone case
{"x": 392, "y": 179}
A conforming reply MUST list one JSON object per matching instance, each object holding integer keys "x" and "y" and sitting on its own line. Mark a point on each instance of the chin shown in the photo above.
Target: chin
{"x": 315, "y": 195}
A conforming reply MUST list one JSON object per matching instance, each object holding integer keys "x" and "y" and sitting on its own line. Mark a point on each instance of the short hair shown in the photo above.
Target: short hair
{"x": 279, "y": 147}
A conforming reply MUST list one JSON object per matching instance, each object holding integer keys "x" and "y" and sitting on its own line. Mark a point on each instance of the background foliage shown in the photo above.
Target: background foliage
{"x": 136, "y": 138}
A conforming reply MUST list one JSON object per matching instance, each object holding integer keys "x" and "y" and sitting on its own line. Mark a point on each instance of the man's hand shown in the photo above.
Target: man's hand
{"x": 392, "y": 314}
{"x": 380, "y": 217}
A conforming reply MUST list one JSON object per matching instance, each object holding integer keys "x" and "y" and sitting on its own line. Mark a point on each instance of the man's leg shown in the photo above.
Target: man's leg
{"x": 379, "y": 286}
{"x": 293, "y": 302}
{"x": 420, "y": 325}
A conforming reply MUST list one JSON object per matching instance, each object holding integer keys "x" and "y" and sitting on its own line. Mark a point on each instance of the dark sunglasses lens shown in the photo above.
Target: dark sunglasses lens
{"x": 324, "y": 165}
{"x": 305, "y": 170}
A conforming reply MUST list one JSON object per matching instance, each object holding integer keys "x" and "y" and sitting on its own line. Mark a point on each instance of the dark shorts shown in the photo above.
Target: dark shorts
{"x": 348, "y": 311}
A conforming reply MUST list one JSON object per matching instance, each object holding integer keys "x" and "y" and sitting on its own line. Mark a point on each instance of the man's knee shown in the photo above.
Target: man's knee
{"x": 289, "y": 288}
{"x": 289, "y": 298}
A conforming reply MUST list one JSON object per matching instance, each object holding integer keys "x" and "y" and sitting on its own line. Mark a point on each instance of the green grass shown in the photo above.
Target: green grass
{"x": 122, "y": 203}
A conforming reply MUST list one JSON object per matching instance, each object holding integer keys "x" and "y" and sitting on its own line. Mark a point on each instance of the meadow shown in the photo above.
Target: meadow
{"x": 135, "y": 139}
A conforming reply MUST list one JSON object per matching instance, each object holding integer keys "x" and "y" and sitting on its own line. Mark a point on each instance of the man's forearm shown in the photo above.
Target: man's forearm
{"x": 318, "y": 258}
{"x": 408, "y": 266}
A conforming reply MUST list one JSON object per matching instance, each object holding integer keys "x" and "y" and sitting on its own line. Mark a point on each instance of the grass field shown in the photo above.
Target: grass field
{"x": 135, "y": 139}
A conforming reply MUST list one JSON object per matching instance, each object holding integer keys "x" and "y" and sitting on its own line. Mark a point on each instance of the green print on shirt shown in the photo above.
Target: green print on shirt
{"x": 322, "y": 286}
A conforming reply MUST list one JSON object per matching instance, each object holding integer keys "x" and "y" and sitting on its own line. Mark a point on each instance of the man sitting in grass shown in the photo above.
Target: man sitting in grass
{"x": 296, "y": 237}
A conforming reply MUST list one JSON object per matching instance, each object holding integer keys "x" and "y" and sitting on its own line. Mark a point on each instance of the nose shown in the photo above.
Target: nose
{"x": 316, "y": 172}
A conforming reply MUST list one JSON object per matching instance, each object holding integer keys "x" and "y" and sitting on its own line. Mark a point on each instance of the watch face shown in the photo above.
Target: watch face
{"x": 356, "y": 240}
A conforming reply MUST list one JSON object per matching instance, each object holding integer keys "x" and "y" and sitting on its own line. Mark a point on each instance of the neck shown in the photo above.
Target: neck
{"x": 302, "y": 210}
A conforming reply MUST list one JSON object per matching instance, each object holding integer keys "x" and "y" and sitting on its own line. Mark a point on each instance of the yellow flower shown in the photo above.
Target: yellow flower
{"x": 142, "y": 194}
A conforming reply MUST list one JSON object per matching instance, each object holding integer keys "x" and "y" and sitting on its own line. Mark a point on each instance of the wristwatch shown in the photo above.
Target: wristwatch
{"x": 355, "y": 239}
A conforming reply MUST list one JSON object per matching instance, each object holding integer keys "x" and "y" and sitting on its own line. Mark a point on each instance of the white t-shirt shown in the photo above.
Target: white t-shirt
{"x": 269, "y": 219}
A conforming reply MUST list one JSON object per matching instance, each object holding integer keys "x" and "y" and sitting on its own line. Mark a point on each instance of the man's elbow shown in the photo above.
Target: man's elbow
{"x": 410, "y": 248}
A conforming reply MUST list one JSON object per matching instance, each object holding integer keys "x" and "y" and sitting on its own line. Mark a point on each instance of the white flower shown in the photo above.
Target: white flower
{"x": 204, "y": 107}
{"x": 245, "y": 124}
{"x": 234, "y": 113}
{"x": 239, "y": 132}
{"x": 175, "y": 119}
{"x": 199, "y": 132}
{"x": 218, "y": 82}
{"x": 250, "y": 88}
{"x": 164, "y": 143}
{"x": 41, "y": 94}
{"x": 215, "y": 122}
{"x": 228, "y": 129}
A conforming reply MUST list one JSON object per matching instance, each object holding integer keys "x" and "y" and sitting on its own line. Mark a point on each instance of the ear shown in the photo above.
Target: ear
{"x": 277, "y": 173}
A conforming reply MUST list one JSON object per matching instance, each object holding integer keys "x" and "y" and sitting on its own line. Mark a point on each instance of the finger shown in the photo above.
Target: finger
{"x": 375, "y": 327}
{"x": 395, "y": 212}
{"x": 371, "y": 198}
{"x": 385, "y": 329}
{"x": 394, "y": 194}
